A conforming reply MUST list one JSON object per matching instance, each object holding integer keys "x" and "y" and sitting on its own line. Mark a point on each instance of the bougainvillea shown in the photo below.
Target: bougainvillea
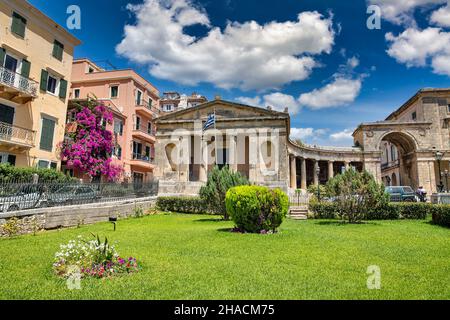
{"x": 89, "y": 148}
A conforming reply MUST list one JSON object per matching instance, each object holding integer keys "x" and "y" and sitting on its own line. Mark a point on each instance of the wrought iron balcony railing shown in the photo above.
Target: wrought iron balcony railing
{"x": 19, "y": 82}
{"x": 147, "y": 132}
{"x": 16, "y": 135}
{"x": 155, "y": 111}
{"x": 141, "y": 157}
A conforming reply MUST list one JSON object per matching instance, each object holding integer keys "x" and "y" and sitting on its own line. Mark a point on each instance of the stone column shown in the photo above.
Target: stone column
{"x": 203, "y": 175}
{"x": 303, "y": 173}
{"x": 330, "y": 170}
{"x": 316, "y": 176}
{"x": 233, "y": 153}
{"x": 347, "y": 165}
{"x": 293, "y": 172}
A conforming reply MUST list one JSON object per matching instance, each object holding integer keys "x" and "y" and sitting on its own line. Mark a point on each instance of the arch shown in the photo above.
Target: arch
{"x": 404, "y": 140}
{"x": 171, "y": 156}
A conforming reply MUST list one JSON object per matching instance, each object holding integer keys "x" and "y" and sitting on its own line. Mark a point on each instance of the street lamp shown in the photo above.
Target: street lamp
{"x": 439, "y": 156}
{"x": 318, "y": 185}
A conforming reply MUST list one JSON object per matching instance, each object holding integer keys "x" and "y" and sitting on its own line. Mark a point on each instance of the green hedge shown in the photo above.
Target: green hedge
{"x": 13, "y": 174}
{"x": 192, "y": 205}
{"x": 392, "y": 211}
{"x": 441, "y": 214}
{"x": 257, "y": 209}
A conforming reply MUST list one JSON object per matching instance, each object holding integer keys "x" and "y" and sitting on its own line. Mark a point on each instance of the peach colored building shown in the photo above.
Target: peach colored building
{"x": 36, "y": 57}
{"x": 135, "y": 104}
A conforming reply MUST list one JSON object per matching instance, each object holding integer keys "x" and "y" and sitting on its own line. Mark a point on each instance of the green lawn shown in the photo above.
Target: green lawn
{"x": 195, "y": 257}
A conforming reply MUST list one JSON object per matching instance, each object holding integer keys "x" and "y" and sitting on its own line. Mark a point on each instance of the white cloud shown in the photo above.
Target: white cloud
{"x": 338, "y": 93}
{"x": 243, "y": 55}
{"x": 401, "y": 12}
{"x": 278, "y": 101}
{"x": 416, "y": 48}
{"x": 441, "y": 17}
{"x": 306, "y": 133}
{"x": 344, "y": 136}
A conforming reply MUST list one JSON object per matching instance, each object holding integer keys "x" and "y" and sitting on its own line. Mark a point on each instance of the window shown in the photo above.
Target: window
{"x": 77, "y": 93}
{"x": 414, "y": 115}
{"x": 53, "y": 85}
{"x": 72, "y": 117}
{"x": 138, "y": 123}
{"x": 45, "y": 164}
{"x": 58, "y": 50}
{"x": 114, "y": 92}
{"x": 8, "y": 158}
{"x": 138, "y": 97}
{"x": 168, "y": 107}
{"x": 90, "y": 70}
{"x": 118, "y": 127}
{"x": 18, "y": 24}
{"x": 147, "y": 153}
{"x": 47, "y": 133}
{"x": 149, "y": 128}
{"x": 150, "y": 102}
{"x": 119, "y": 152}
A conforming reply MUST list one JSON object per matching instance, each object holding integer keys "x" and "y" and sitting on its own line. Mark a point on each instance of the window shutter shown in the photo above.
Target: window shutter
{"x": 58, "y": 50}
{"x": 48, "y": 128}
{"x": 2, "y": 56}
{"x": 62, "y": 88}
{"x": 26, "y": 66}
{"x": 12, "y": 159}
{"x": 18, "y": 24}
{"x": 44, "y": 80}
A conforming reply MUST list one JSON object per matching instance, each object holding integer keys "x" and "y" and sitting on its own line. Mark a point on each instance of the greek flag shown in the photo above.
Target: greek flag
{"x": 210, "y": 122}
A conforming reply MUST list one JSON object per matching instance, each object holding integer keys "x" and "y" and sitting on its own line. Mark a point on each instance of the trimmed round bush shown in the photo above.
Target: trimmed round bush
{"x": 441, "y": 214}
{"x": 257, "y": 209}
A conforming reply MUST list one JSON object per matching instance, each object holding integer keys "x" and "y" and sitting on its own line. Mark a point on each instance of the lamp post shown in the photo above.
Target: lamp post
{"x": 318, "y": 185}
{"x": 445, "y": 174}
{"x": 439, "y": 155}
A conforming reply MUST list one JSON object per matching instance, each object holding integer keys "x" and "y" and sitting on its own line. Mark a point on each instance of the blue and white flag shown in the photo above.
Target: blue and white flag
{"x": 210, "y": 122}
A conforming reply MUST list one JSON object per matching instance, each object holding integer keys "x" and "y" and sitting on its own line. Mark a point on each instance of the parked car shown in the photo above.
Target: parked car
{"x": 402, "y": 194}
{"x": 26, "y": 197}
{"x": 72, "y": 194}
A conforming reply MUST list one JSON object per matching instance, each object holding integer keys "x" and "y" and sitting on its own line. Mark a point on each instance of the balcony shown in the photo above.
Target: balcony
{"x": 142, "y": 162}
{"x": 145, "y": 109}
{"x": 16, "y": 137}
{"x": 145, "y": 135}
{"x": 16, "y": 87}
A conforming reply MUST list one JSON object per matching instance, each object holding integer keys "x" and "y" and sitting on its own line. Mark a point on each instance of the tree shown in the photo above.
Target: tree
{"x": 215, "y": 190}
{"x": 89, "y": 148}
{"x": 356, "y": 194}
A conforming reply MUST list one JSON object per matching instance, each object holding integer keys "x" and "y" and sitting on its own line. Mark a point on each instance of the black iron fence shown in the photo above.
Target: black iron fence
{"x": 28, "y": 195}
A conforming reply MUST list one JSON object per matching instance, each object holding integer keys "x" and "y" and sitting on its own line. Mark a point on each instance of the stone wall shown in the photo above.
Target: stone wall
{"x": 30, "y": 221}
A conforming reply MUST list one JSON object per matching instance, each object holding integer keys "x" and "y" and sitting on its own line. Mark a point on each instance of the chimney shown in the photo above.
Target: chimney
{"x": 286, "y": 110}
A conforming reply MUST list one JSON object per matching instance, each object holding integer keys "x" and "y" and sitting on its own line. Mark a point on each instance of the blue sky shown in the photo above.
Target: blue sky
{"x": 297, "y": 62}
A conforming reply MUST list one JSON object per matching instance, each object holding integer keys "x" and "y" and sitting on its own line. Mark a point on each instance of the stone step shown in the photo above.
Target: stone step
{"x": 299, "y": 217}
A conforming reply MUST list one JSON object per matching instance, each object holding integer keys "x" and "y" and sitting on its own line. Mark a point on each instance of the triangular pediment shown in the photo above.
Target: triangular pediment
{"x": 222, "y": 109}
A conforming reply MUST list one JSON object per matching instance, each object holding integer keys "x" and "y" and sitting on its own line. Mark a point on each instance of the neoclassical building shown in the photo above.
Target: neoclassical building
{"x": 255, "y": 142}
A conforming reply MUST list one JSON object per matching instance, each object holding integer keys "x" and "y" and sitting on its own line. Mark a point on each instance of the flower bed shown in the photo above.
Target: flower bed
{"x": 93, "y": 258}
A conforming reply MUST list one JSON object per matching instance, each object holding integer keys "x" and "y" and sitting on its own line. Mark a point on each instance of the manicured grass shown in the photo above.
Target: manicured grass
{"x": 195, "y": 257}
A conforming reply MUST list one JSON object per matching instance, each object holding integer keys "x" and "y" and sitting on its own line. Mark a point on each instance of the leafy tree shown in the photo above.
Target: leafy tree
{"x": 215, "y": 190}
{"x": 356, "y": 194}
{"x": 89, "y": 148}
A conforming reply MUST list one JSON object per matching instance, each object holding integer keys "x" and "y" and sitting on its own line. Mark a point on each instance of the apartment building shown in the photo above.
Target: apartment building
{"x": 36, "y": 57}
{"x": 174, "y": 101}
{"x": 135, "y": 104}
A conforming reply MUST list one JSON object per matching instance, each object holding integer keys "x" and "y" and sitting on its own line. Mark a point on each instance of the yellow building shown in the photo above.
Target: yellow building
{"x": 36, "y": 57}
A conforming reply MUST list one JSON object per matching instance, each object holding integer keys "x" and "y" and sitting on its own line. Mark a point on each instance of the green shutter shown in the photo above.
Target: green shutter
{"x": 18, "y": 24}
{"x": 2, "y": 56}
{"x": 44, "y": 80}
{"x": 26, "y": 66}
{"x": 58, "y": 50}
{"x": 62, "y": 89}
{"x": 47, "y": 132}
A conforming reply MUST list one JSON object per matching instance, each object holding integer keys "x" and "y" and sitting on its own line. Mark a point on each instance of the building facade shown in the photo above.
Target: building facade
{"x": 173, "y": 101}
{"x": 135, "y": 105}
{"x": 411, "y": 147}
{"x": 36, "y": 57}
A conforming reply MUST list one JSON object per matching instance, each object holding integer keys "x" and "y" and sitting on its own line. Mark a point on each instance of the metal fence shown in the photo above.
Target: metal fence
{"x": 27, "y": 195}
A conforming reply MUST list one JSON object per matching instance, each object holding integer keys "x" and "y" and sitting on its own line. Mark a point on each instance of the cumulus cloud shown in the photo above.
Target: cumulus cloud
{"x": 244, "y": 55}
{"x": 306, "y": 133}
{"x": 401, "y": 12}
{"x": 344, "y": 136}
{"x": 420, "y": 48}
{"x": 441, "y": 17}
{"x": 277, "y": 100}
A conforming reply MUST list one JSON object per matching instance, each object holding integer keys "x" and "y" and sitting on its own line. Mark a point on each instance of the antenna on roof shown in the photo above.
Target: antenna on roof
{"x": 105, "y": 64}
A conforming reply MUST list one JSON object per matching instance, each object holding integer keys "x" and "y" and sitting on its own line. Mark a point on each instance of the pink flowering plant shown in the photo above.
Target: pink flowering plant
{"x": 93, "y": 258}
{"x": 89, "y": 148}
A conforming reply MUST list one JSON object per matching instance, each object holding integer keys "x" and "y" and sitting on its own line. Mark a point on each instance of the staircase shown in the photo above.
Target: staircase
{"x": 298, "y": 212}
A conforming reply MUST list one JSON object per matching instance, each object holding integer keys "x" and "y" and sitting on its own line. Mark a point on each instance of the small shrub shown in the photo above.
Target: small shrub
{"x": 417, "y": 211}
{"x": 12, "y": 173}
{"x": 219, "y": 182}
{"x": 441, "y": 214}
{"x": 324, "y": 210}
{"x": 11, "y": 227}
{"x": 138, "y": 212}
{"x": 386, "y": 212}
{"x": 257, "y": 209}
{"x": 94, "y": 258}
{"x": 192, "y": 205}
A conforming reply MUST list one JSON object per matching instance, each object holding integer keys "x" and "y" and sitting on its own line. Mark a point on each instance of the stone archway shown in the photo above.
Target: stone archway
{"x": 405, "y": 162}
